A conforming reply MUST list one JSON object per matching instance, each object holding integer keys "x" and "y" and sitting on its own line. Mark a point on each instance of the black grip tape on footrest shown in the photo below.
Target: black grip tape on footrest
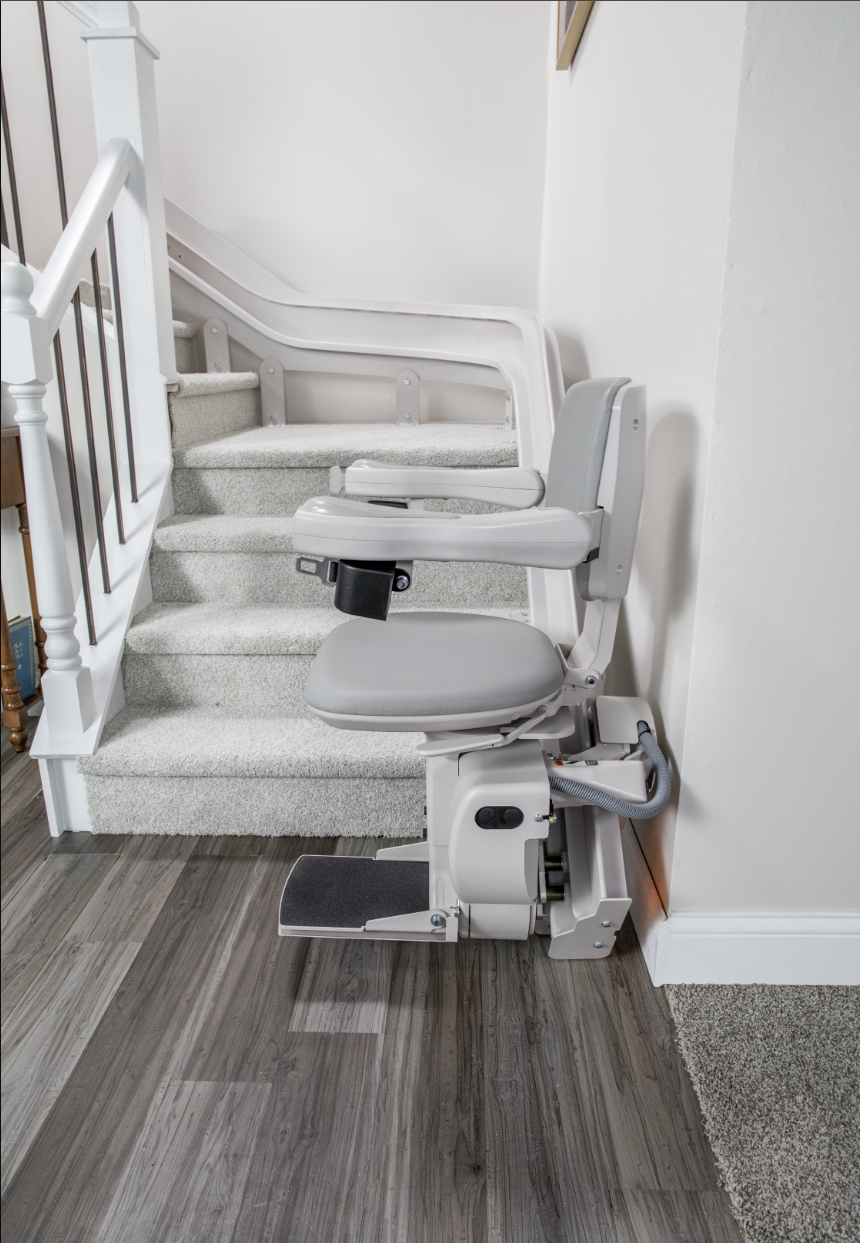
{"x": 333, "y": 891}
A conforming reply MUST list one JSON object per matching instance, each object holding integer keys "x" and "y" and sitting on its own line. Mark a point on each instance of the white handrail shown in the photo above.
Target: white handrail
{"x": 80, "y": 236}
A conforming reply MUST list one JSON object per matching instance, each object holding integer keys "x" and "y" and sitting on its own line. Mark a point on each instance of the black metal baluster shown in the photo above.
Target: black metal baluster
{"x": 123, "y": 371}
{"x": 10, "y": 167}
{"x": 52, "y": 108}
{"x": 91, "y": 443}
{"x": 76, "y": 303}
{"x": 76, "y": 496}
{"x": 108, "y": 406}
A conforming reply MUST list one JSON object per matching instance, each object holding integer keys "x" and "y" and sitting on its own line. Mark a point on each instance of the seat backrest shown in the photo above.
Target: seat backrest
{"x": 589, "y": 468}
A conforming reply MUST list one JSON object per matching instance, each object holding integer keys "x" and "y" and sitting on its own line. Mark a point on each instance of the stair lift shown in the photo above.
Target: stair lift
{"x": 529, "y": 765}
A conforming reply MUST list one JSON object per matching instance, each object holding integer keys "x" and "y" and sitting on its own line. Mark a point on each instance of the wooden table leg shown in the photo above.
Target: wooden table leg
{"x": 14, "y": 712}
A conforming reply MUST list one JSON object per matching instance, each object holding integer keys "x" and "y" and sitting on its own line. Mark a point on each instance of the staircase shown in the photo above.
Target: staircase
{"x": 215, "y": 737}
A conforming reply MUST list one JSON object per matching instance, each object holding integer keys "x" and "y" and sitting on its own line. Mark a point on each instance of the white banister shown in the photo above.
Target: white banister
{"x": 81, "y": 694}
{"x": 67, "y": 687}
{"x": 80, "y": 236}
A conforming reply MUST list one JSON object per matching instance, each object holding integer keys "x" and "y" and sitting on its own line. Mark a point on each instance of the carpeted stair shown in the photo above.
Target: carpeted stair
{"x": 215, "y": 736}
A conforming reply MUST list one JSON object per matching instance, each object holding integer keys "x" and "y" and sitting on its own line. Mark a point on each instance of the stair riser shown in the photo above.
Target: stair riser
{"x": 265, "y": 686}
{"x": 247, "y": 492}
{"x": 271, "y": 578}
{"x": 203, "y": 417}
{"x": 186, "y": 354}
{"x": 268, "y": 806}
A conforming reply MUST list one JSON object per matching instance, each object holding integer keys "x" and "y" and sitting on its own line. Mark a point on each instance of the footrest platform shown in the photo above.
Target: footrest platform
{"x": 335, "y": 895}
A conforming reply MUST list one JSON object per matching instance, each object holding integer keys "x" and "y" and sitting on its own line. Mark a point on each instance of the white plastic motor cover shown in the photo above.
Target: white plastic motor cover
{"x": 499, "y": 865}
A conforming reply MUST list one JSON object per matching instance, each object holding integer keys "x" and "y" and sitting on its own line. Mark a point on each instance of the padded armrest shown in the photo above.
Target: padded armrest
{"x": 516, "y": 486}
{"x": 552, "y": 539}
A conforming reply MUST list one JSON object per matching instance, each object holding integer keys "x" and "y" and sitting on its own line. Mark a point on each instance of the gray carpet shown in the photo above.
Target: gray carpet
{"x": 777, "y": 1073}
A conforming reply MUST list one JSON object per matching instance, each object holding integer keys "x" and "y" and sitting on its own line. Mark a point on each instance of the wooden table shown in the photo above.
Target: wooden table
{"x": 12, "y": 492}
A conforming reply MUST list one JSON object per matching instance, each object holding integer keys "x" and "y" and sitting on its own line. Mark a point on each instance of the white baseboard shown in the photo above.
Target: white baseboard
{"x": 729, "y": 948}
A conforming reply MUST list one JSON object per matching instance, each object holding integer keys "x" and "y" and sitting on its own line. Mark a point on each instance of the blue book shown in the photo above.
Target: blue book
{"x": 24, "y": 654}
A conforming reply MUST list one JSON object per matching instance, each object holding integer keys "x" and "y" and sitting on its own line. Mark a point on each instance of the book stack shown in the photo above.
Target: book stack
{"x": 23, "y": 643}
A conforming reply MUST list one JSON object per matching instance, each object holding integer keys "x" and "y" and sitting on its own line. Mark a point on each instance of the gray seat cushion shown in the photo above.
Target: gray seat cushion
{"x": 432, "y": 665}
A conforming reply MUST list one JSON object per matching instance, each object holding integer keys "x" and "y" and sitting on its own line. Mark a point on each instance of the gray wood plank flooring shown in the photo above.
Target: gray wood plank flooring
{"x": 173, "y": 1071}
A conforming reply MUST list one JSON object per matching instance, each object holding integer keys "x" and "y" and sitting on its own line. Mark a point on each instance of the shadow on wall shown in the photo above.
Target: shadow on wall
{"x": 664, "y": 574}
{"x": 574, "y": 363}
{"x": 665, "y": 571}
{"x": 665, "y": 565}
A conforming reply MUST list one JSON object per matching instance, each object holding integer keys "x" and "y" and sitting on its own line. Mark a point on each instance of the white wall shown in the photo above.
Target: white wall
{"x": 639, "y": 159}
{"x": 379, "y": 150}
{"x": 701, "y": 234}
{"x": 767, "y": 819}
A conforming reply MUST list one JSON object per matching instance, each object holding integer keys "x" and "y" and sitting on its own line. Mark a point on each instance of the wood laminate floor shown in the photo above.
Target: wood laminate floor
{"x": 175, "y": 1072}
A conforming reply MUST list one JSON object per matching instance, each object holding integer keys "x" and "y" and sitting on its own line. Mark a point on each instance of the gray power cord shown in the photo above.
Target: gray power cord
{"x": 635, "y": 811}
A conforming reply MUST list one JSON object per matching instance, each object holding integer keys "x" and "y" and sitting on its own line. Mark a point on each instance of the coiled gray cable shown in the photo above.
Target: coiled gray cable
{"x": 636, "y": 811}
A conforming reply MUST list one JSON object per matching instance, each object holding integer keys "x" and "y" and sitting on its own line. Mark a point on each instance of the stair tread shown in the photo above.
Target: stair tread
{"x": 204, "y": 383}
{"x": 254, "y": 629}
{"x": 193, "y": 743}
{"x": 318, "y": 445}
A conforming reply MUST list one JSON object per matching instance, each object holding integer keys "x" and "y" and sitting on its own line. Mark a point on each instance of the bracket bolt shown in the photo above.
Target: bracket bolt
{"x": 590, "y": 681}
{"x": 271, "y": 371}
{"x": 598, "y": 945}
{"x": 407, "y": 381}
{"x": 438, "y": 921}
{"x": 214, "y": 329}
{"x": 606, "y": 923}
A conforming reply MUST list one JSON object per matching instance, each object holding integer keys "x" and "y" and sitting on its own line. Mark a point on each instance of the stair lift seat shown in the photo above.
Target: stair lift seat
{"x": 432, "y": 671}
{"x": 529, "y": 765}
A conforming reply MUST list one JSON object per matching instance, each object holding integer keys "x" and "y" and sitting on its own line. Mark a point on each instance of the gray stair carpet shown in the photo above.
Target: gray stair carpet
{"x": 215, "y": 736}
{"x": 213, "y": 405}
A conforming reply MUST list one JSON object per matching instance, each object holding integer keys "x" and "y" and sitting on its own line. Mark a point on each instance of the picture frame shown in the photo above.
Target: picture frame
{"x": 572, "y": 16}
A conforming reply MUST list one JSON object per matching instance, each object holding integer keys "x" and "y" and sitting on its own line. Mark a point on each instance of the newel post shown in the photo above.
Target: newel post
{"x": 123, "y": 83}
{"x": 67, "y": 685}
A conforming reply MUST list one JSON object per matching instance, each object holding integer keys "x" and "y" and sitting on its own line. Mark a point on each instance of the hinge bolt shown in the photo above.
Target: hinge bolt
{"x": 438, "y": 921}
